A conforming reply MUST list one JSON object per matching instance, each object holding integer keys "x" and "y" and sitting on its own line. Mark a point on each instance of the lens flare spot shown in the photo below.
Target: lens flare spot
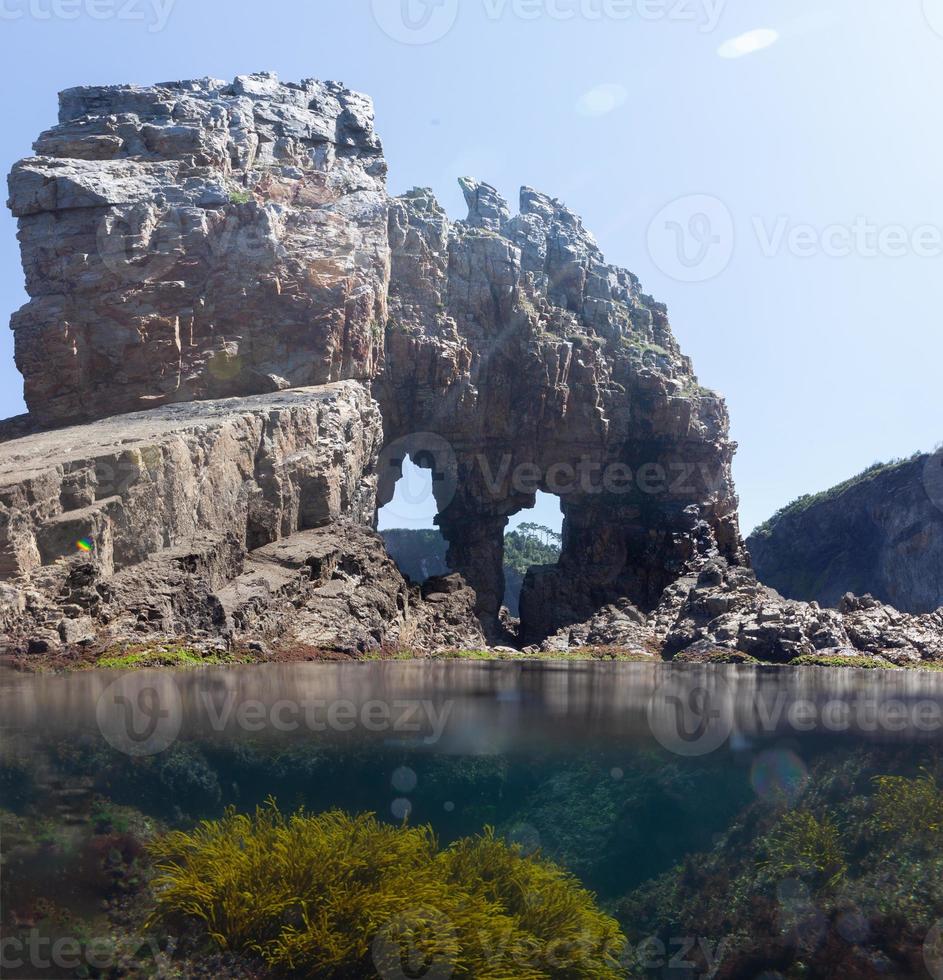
{"x": 779, "y": 776}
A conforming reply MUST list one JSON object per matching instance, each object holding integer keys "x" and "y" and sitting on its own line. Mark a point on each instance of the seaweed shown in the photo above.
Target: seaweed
{"x": 340, "y": 895}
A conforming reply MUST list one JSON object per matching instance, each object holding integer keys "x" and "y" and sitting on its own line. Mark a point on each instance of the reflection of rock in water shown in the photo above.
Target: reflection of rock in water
{"x": 463, "y": 704}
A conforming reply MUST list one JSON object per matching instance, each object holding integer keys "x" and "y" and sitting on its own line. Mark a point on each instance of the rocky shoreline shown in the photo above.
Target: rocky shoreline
{"x": 235, "y": 338}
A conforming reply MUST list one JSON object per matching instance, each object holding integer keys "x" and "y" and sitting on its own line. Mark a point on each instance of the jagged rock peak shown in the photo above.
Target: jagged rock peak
{"x": 486, "y": 207}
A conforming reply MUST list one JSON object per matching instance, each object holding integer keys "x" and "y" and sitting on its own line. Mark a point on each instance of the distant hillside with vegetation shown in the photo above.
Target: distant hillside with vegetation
{"x": 878, "y": 533}
{"x": 421, "y": 554}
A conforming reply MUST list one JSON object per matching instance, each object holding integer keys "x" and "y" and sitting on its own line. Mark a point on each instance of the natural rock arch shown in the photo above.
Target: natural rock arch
{"x": 518, "y": 361}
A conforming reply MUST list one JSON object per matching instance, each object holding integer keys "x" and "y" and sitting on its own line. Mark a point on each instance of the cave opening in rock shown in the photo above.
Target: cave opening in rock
{"x": 533, "y": 539}
{"x": 407, "y": 524}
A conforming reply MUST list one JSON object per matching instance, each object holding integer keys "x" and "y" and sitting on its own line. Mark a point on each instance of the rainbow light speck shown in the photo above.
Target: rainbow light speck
{"x": 83, "y": 544}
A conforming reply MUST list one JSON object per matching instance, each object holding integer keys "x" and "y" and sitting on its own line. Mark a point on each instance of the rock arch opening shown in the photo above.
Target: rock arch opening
{"x": 533, "y": 540}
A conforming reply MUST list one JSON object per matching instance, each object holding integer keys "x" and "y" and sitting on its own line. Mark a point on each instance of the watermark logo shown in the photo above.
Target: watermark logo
{"x": 933, "y": 952}
{"x": 933, "y": 478}
{"x": 933, "y": 11}
{"x": 138, "y": 716}
{"x": 861, "y": 238}
{"x": 692, "y": 239}
{"x": 690, "y": 716}
{"x": 687, "y": 956}
{"x": 140, "y": 242}
{"x": 428, "y": 452}
{"x": 419, "y": 943}
{"x": 415, "y": 21}
{"x": 154, "y": 13}
{"x": 72, "y": 956}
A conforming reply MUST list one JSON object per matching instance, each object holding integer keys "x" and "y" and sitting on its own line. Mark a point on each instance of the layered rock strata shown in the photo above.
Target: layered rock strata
{"x": 220, "y": 287}
{"x": 199, "y": 239}
{"x": 243, "y": 520}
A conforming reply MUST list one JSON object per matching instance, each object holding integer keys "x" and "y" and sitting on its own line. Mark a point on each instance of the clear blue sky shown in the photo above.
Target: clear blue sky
{"x": 829, "y": 360}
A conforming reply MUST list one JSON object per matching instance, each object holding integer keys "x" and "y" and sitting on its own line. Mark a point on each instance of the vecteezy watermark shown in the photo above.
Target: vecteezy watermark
{"x": 498, "y": 476}
{"x": 403, "y": 716}
{"x": 143, "y": 715}
{"x": 415, "y": 21}
{"x": 933, "y": 11}
{"x": 933, "y": 477}
{"x": 77, "y": 957}
{"x": 933, "y": 952}
{"x": 690, "y": 956}
{"x": 425, "y": 21}
{"x": 138, "y": 716}
{"x": 153, "y": 13}
{"x": 862, "y": 238}
{"x": 418, "y": 943}
{"x": 692, "y": 238}
{"x": 427, "y": 451}
{"x": 694, "y": 714}
{"x": 139, "y": 242}
{"x": 425, "y": 943}
{"x": 692, "y": 718}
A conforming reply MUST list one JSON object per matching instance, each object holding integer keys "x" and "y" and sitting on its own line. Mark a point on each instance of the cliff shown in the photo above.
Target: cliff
{"x": 880, "y": 533}
{"x": 518, "y": 360}
{"x": 235, "y": 338}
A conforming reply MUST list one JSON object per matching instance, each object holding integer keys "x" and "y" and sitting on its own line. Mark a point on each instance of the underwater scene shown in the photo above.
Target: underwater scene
{"x": 472, "y": 820}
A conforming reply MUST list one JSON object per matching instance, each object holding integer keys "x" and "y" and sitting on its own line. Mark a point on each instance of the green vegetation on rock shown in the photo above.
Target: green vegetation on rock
{"x": 806, "y": 501}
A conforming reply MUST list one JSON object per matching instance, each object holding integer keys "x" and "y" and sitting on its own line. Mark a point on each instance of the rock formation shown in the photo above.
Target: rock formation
{"x": 199, "y": 240}
{"x": 235, "y": 338}
{"x": 880, "y": 533}
{"x": 728, "y": 608}
{"x": 242, "y": 520}
{"x": 517, "y": 361}
{"x": 184, "y": 244}
{"x": 724, "y": 611}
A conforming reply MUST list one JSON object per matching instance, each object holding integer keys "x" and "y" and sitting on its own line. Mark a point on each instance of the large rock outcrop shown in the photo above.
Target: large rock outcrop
{"x": 723, "y": 613}
{"x": 880, "y": 533}
{"x": 242, "y": 520}
{"x": 220, "y": 288}
{"x": 199, "y": 239}
{"x": 519, "y": 361}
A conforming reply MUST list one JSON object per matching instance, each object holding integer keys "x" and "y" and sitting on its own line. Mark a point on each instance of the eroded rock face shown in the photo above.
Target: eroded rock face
{"x": 518, "y": 360}
{"x": 257, "y": 468}
{"x": 151, "y": 512}
{"x": 730, "y": 609}
{"x": 224, "y": 255}
{"x": 880, "y": 534}
{"x": 242, "y": 521}
{"x": 199, "y": 239}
